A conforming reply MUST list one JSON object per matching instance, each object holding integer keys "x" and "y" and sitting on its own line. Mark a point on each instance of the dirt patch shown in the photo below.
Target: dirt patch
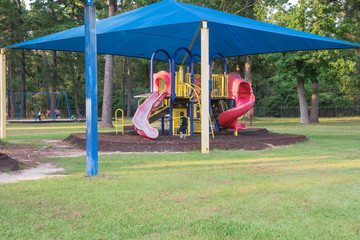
{"x": 42, "y": 170}
{"x": 12, "y": 157}
{"x": 8, "y": 164}
{"x": 251, "y": 139}
{"x": 28, "y": 155}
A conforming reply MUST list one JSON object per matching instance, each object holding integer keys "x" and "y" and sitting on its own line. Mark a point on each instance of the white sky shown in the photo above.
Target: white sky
{"x": 293, "y": 1}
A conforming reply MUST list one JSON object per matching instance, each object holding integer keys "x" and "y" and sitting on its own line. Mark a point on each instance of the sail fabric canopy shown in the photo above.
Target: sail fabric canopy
{"x": 169, "y": 25}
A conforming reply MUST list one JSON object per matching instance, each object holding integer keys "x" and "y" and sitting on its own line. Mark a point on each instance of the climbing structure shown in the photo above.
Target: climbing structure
{"x": 174, "y": 92}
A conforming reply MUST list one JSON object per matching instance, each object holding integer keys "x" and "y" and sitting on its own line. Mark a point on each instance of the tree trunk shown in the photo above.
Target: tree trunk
{"x": 247, "y": 71}
{"x": 123, "y": 84}
{"x": 212, "y": 65}
{"x": 77, "y": 106}
{"x": 238, "y": 70}
{"x": 76, "y": 88}
{"x": 247, "y": 76}
{"x": 12, "y": 105}
{"x": 314, "y": 110}
{"x": 54, "y": 65}
{"x": 23, "y": 87}
{"x": 106, "y": 120}
{"x": 53, "y": 81}
{"x": 12, "y": 97}
{"x": 304, "y": 114}
{"x": 46, "y": 80}
{"x": 128, "y": 114}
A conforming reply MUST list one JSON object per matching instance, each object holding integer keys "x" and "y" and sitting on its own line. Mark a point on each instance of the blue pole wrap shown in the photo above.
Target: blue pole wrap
{"x": 91, "y": 91}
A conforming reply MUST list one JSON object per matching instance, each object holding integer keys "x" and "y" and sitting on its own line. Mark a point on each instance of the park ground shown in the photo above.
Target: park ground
{"x": 303, "y": 191}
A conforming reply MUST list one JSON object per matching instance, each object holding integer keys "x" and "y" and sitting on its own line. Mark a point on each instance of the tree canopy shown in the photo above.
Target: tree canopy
{"x": 275, "y": 77}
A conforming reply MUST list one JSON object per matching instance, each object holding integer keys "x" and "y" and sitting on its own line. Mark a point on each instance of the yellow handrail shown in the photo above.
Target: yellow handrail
{"x": 122, "y": 121}
{"x": 165, "y": 103}
{"x": 139, "y": 102}
{"x": 211, "y": 127}
{"x": 222, "y": 104}
{"x": 194, "y": 87}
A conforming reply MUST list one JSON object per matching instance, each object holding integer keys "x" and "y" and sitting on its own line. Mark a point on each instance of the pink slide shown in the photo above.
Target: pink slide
{"x": 141, "y": 117}
{"x": 241, "y": 92}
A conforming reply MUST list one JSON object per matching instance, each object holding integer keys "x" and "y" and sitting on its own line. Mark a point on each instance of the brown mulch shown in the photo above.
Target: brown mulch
{"x": 251, "y": 139}
{"x": 8, "y": 164}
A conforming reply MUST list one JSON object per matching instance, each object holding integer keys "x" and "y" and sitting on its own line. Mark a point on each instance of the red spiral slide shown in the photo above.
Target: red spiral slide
{"x": 241, "y": 92}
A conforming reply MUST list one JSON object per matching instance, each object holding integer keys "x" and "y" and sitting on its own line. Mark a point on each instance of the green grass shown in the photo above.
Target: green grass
{"x": 46, "y": 131}
{"x": 305, "y": 191}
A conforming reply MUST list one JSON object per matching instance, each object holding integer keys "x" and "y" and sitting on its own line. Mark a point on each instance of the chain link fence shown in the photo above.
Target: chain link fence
{"x": 284, "y": 112}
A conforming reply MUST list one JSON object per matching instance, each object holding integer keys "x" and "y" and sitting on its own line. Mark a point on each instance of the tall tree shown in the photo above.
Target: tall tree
{"x": 123, "y": 84}
{"x": 311, "y": 67}
{"x": 13, "y": 30}
{"x": 106, "y": 119}
{"x": 128, "y": 114}
{"x": 23, "y": 85}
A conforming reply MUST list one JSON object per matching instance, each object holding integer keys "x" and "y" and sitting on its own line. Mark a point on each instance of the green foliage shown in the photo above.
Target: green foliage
{"x": 274, "y": 83}
{"x": 335, "y": 70}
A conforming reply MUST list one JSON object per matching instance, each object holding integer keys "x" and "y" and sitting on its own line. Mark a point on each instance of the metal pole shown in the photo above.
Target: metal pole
{"x": 68, "y": 105}
{"x": 91, "y": 90}
{"x": 205, "y": 73}
{"x": 22, "y": 102}
{"x": 162, "y": 125}
{"x": 16, "y": 108}
{"x": 3, "y": 94}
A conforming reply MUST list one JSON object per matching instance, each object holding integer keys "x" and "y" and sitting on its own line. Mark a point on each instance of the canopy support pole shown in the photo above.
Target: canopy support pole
{"x": 3, "y": 94}
{"x": 91, "y": 90}
{"x": 205, "y": 88}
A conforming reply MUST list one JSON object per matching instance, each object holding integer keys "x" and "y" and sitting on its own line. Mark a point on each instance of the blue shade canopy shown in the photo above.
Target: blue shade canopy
{"x": 169, "y": 25}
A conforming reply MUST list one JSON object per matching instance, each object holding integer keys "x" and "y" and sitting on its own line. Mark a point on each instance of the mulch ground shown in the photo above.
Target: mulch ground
{"x": 8, "y": 164}
{"x": 251, "y": 139}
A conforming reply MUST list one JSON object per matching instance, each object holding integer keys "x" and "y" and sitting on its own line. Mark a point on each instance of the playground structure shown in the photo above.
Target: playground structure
{"x": 166, "y": 24}
{"x": 175, "y": 92}
{"x": 35, "y": 110}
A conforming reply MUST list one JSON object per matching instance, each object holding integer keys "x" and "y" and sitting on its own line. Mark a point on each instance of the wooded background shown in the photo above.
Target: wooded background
{"x": 306, "y": 80}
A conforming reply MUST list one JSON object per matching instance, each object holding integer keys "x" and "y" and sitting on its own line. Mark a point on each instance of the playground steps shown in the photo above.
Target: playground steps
{"x": 159, "y": 114}
{"x": 217, "y": 107}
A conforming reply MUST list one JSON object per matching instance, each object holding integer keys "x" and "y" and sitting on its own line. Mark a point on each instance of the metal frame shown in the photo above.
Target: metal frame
{"x": 152, "y": 65}
{"x": 173, "y": 95}
{"x": 35, "y": 113}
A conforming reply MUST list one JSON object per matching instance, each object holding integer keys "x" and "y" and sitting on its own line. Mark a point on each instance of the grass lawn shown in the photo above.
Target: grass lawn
{"x": 305, "y": 191}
